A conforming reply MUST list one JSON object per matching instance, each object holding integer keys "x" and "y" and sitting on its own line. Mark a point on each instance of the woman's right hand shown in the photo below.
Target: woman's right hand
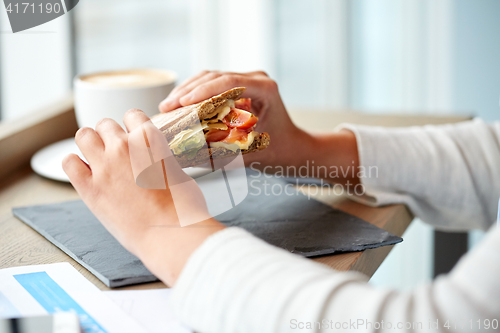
{"x": 286, "y": 138}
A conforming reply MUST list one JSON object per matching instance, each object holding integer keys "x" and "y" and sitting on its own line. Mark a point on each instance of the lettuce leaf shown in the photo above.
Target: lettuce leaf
{"x": 192, "y": 144}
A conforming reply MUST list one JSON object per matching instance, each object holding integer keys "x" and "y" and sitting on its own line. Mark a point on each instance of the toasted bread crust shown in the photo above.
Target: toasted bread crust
{"x": 172, "y": 123}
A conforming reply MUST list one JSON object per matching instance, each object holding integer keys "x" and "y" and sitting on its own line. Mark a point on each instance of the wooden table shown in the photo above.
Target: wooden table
{"x": 19, "y": 186}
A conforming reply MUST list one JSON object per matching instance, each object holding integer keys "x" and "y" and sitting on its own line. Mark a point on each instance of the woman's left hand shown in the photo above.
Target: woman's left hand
{"x": 143, "y": 220}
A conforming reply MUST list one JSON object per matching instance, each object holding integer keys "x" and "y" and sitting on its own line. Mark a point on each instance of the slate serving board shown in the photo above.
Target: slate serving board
{"x": 294, "y": 222}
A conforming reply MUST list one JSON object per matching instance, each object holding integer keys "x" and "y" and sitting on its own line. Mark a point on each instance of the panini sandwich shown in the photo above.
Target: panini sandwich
{"x": 219, "y": 127}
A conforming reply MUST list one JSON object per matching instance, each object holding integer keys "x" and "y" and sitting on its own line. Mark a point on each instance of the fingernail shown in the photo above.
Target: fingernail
{"x": 187, "y": 98}
{"x": 167, "y": 102}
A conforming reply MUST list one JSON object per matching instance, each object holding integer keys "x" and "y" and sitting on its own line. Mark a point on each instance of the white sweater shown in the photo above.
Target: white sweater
{"x": 448, "y": 176}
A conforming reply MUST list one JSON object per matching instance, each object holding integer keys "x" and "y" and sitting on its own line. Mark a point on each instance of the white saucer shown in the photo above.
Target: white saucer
{"x": 47, "y": 162}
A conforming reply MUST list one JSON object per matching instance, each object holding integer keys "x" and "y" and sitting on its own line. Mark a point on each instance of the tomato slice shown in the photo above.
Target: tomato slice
{"x": 243, "y": 104}
{"x": 237, "y": 134}
{"x": 237, "y": 118}
{"x": 215, "y": 135}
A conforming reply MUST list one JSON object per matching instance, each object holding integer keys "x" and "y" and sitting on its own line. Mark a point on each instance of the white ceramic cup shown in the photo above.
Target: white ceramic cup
{"x": 110, "y": 94}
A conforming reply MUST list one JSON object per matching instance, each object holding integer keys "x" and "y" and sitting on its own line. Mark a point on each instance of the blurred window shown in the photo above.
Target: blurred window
{"x": 35, "y": 65}
{"x": 117, "y": 34}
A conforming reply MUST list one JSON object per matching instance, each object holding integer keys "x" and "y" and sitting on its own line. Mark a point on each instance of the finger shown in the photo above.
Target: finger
{"x": 134, "y": 118}
{"x": 90, "y": 144}
{"x": 110, "y": 131}
{"x": 258, "y": 73}
{"x": 168, "y": 104}
{"x": 173, "y": 102}
{"x": 78, "y": 171}
{"x": 212, "y": 76}
{"x": 219, "y": 85}
{"x": 189, "y": 81}
{"x": 205, "y": 72}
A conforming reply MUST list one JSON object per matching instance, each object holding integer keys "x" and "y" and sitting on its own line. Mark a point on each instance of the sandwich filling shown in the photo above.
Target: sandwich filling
{"x": 230, "y": 126}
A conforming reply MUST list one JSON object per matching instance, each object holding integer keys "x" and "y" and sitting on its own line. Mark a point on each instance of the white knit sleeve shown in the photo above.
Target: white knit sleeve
{"x": 447, "y": 175}
{"x": 235, "y": 282}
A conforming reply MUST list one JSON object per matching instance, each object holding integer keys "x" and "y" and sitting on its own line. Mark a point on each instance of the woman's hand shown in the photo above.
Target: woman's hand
{"x": 291, "y": 148}
{"x": 287, "y": 141}
{"x": 144, "y": 221}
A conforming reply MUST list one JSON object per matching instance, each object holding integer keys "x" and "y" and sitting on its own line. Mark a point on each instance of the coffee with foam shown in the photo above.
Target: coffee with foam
{"x": 110, "y": 94}
{"x": 129, "y": 78}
